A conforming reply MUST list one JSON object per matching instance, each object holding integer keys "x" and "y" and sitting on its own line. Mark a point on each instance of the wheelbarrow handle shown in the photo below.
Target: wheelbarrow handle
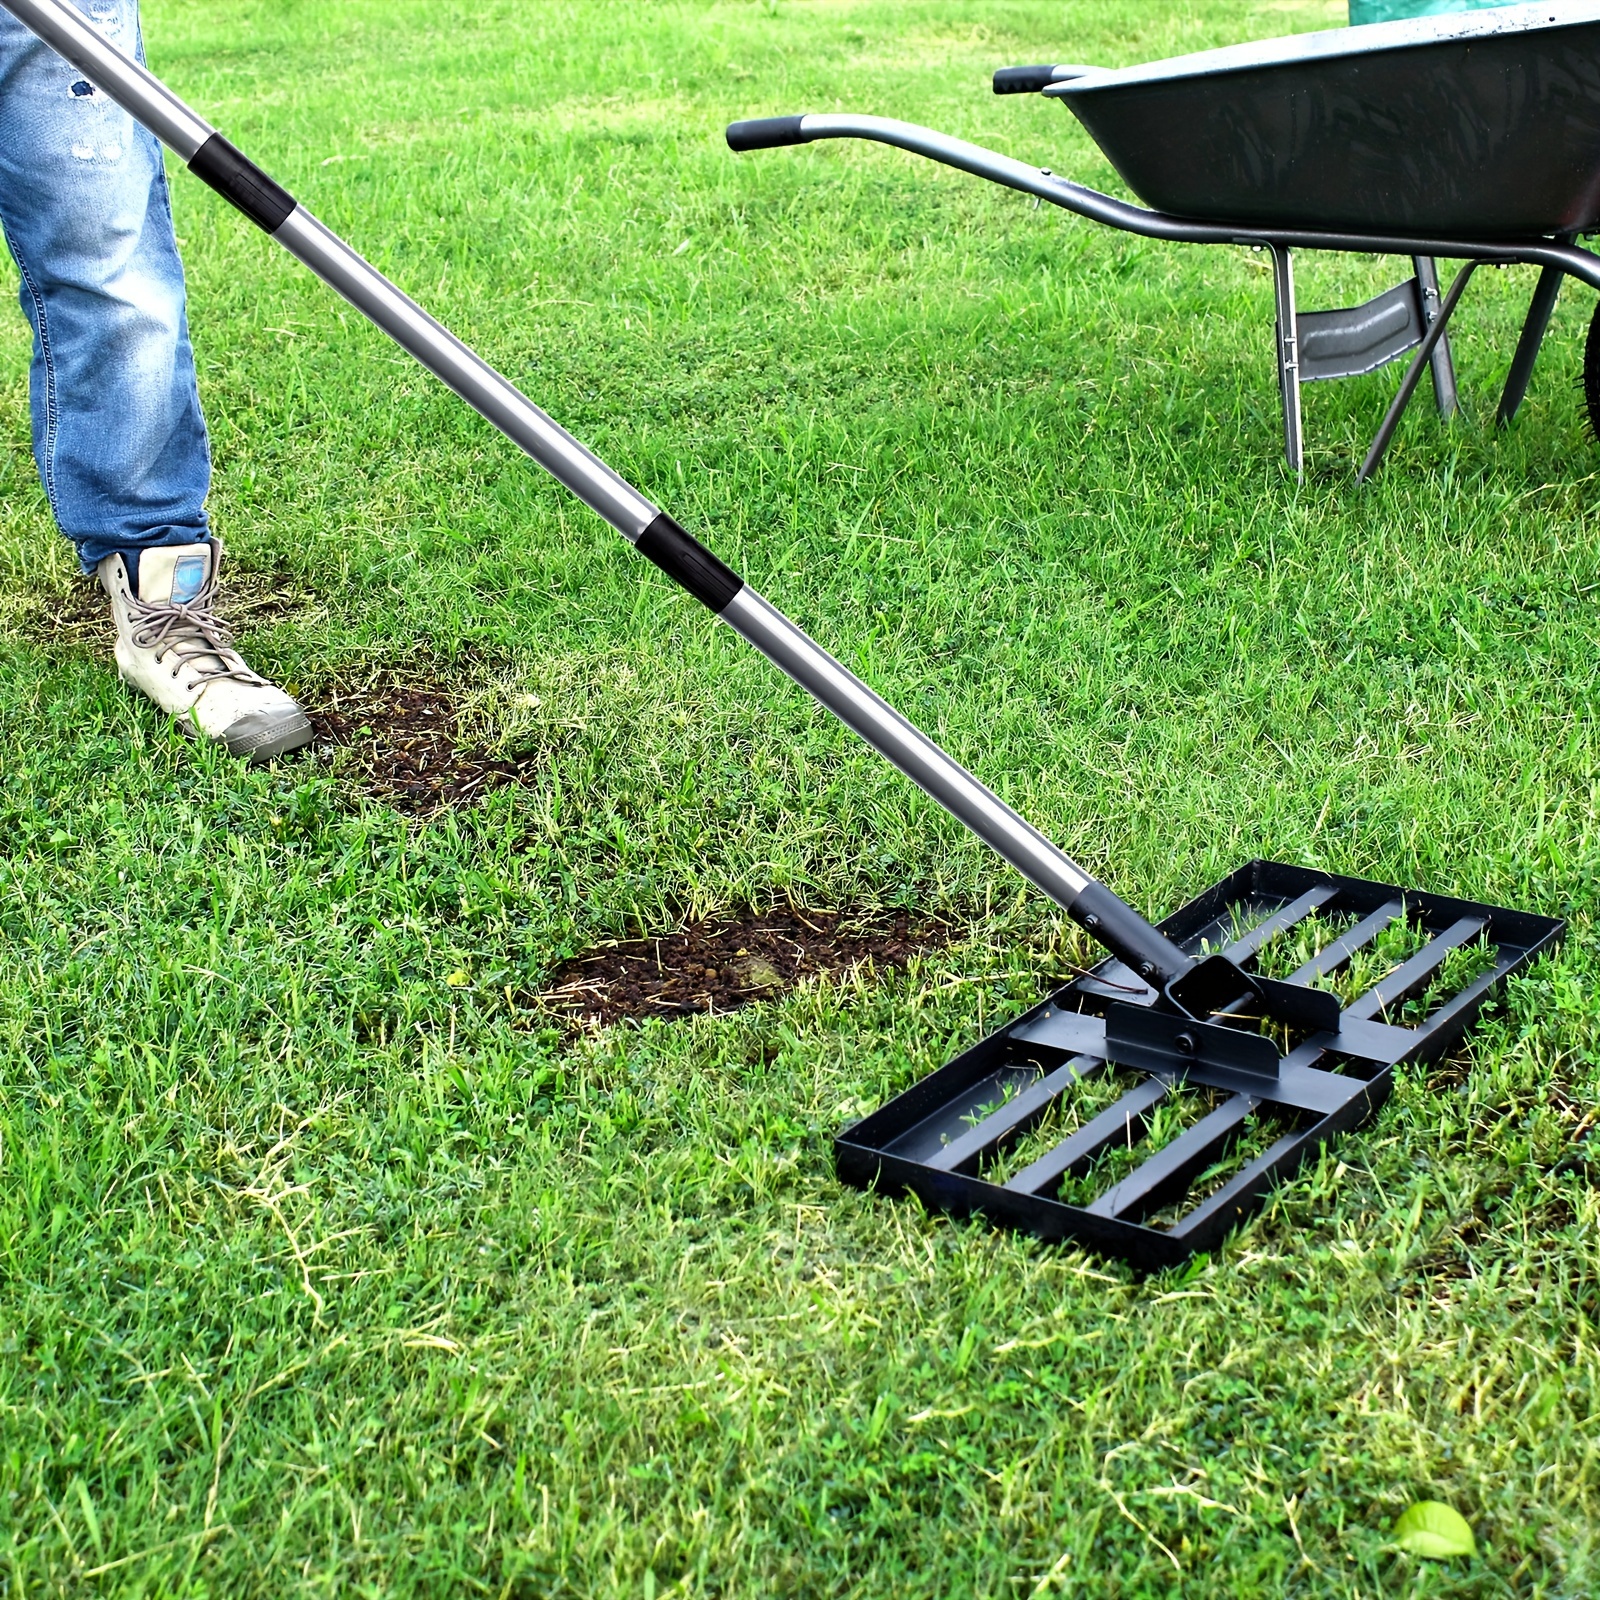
{"x": 1085, "y": 202}
{"x": 651, "y": 531}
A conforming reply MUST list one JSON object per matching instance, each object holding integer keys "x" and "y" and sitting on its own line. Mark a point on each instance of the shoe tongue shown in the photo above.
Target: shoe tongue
{"x": 173, "y": 574}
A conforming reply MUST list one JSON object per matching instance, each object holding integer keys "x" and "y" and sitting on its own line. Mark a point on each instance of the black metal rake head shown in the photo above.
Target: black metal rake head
{"x": 1102, "y": 1118}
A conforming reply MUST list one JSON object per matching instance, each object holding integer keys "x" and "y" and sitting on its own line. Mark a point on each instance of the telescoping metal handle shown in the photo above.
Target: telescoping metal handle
{"x": 650, "y": 530}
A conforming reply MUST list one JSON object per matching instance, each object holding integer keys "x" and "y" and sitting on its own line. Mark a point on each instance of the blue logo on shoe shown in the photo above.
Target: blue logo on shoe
{"x": 188, "y": 578}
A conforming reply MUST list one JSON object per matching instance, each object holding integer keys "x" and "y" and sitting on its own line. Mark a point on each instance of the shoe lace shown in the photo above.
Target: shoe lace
{"x": 191, "y": 632}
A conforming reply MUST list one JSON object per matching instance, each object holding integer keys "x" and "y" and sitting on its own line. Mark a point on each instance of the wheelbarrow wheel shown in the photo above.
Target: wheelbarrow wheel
{"x": 1591, "y": 374}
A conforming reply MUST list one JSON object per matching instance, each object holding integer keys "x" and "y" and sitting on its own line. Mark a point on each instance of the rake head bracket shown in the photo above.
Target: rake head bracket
{"x": 1148, "y": 1128}
{"x": 1206, "y": 1052}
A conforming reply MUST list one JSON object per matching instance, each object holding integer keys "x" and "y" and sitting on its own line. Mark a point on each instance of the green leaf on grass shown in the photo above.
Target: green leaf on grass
{"x": 1434, "y": 1531}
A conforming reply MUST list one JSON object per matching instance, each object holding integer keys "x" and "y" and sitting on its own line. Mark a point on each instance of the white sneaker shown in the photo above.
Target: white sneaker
{"x": 171, "y": 647}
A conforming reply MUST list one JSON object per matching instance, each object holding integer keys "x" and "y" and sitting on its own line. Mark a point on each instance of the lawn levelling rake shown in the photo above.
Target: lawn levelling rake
{"x": 1187, "y": 1009}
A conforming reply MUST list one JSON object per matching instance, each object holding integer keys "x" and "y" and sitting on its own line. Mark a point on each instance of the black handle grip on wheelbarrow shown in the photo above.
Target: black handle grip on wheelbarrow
{"x": 765, "y": 133}
{"x": 1030, "y": 80}
{"x": 1022, "y": 80}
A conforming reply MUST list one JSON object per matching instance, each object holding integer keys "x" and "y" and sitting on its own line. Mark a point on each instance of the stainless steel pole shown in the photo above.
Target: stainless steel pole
{"x": 655, "y": 534}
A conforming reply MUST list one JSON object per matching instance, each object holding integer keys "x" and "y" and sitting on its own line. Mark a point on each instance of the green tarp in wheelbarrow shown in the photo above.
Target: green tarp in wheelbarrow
{"x": 1392, "y": 10}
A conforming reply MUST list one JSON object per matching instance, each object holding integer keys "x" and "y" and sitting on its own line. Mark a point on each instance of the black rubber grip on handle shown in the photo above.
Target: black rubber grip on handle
{"x": 1023, "y": 80}
{"x": 241, "y": 182}
{"x": 686, "y": 561}
{"x": 765, "y": 133}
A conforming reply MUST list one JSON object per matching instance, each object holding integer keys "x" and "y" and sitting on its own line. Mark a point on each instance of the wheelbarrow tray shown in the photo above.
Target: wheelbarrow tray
{"x": 1483, "y": 125}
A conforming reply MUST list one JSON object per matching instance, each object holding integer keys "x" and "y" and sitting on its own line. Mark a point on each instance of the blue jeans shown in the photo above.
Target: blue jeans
{"x": 117, "y": 430}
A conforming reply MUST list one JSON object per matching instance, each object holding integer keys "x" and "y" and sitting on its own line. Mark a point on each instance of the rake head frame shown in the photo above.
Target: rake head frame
{"x": 942, "y": 1138}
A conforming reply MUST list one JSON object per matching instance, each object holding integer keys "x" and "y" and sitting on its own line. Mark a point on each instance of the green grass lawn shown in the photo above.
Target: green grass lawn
{"x": 329, "y": 1266}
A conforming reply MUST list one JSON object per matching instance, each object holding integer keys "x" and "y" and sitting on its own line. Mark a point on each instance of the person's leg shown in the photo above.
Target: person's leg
{"x": 117, "y": 429}
{"x": 118, "y": 434}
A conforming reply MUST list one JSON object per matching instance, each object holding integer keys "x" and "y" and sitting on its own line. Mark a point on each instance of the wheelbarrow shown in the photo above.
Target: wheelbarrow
{"x": 1471, "y": 137}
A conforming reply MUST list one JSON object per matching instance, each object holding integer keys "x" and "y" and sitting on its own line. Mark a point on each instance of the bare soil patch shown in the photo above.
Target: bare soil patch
{"x": 407, "y": 747}
{"x": 722, "y": 963}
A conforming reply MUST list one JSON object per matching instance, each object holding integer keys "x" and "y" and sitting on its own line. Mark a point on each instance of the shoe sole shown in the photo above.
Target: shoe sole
{"x": 262, "y": 738}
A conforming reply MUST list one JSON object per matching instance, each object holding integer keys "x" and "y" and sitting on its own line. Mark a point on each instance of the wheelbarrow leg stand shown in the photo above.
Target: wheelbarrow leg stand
{"x": 1533, "y": 330}
{"x": 1440, "y": 364}
{"x": 1288, "y": 344}
{"x": 1408, "y": 384}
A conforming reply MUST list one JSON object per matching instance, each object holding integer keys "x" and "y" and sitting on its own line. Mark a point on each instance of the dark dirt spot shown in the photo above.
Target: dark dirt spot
{"x": 725, "y": 962}
{"x": 252, "y": 600}
{"x": 1451, "y": 1259}
{"x": 1450, "y": 1072}
{"x": 406, "y": 745}
{"x": 81, "y": 614}
{"x": 1582, "y": 1159}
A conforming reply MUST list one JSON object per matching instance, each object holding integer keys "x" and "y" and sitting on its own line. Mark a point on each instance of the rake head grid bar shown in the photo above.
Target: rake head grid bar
{"x": 1097, "y": 1118}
